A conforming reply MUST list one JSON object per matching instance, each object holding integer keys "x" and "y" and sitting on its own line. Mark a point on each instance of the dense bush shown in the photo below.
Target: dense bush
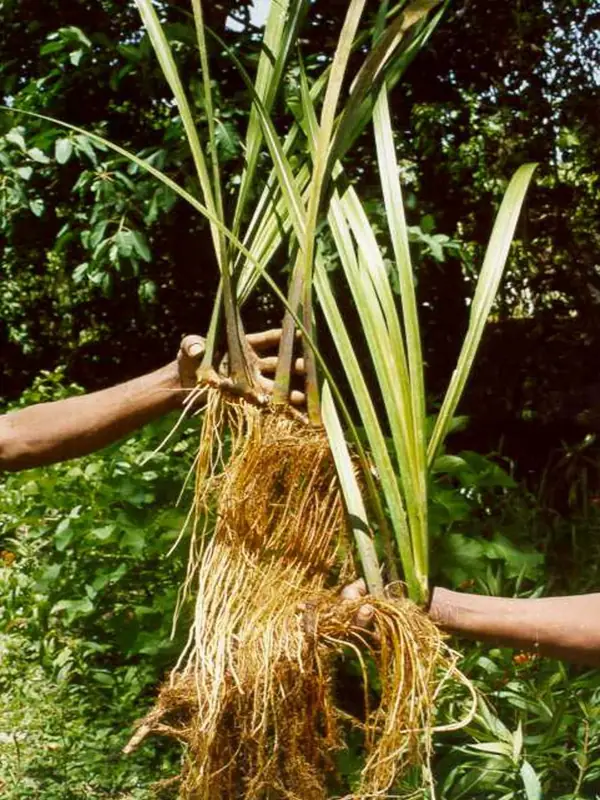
{"x": 87, "y": 595}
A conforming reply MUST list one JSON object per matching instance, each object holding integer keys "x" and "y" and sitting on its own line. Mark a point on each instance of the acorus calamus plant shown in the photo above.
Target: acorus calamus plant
{"x": 288, "y": 506}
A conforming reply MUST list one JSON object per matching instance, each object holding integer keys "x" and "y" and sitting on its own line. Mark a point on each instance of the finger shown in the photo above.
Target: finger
{"x": 192, "y": 346}
{"x": 268, "y": 364}
{"x": 364, "y": 615}
{"x": 265, "y": 339}
{"x": 296, "y": 398}
{"x": 354, "y": 591}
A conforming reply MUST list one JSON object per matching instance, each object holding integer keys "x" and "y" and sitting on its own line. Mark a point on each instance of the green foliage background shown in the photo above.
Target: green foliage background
{"x": 87, "y": 596}
{"x": 92, "y": 249}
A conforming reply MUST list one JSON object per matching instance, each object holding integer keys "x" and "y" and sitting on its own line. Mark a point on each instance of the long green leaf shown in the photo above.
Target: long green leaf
{"x": 386, "y": 470}
{"x": 281, "y": 32}
{"x": 208, "y": 105}
{"x": 374, "y": 300}
{"x": 485, "y": 293}
{"x": 355, "y": 507}
{"x": 273, "y": 228}
{"x": 317, "y": 184}
{"x": 165, "y": 58}
{"x": 386, "y": 364}
{"x": 238, "y": 365}
{"x": 379, "y": 63}
{"x": 392, "y": 194}
{"x": 284, "y": 172}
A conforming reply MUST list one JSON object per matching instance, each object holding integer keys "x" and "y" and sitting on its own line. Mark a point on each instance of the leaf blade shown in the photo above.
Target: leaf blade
{"x": 485, "y": 292}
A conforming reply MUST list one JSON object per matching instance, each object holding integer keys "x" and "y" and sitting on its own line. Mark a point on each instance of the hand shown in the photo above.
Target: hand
{"x": 354, "y": 591}
{"x": 192, "y": 349}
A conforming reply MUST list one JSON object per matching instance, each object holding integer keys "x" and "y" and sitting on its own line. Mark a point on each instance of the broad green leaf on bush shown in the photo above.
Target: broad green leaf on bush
{"x": 47, "y": 578}
{"x": 461, "y": 558}
{"x": 25, "y": 172}
{"x": 16, "y": 137}
{"x": 104, "y": 533}
{"x": 449, "y": 464}
{"x": 38, "y": 155}
{"x": 63, "y": 148}
{"x": 134, "y": 540}
{"x": 450, "y": 504}
{"x": 74, "y": 608}
{"x": 531, "y": 782}
{"x": 140, "y": 245}
{"x": 37, "y": 206}
{"x": 517, "y": 560}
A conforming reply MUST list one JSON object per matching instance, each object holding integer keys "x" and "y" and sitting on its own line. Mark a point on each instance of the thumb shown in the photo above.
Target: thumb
{"x": 192, "y": 346}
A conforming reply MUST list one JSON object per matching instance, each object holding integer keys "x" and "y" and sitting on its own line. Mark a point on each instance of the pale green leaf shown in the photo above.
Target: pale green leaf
{"x": 386, "y": 473}
{"x": 165, "y": 58}
{"x": 63, "y": 535}
{"x": 355, "y": 508}
{"x": 37, "y": 206}
{"x": 279, "y": 38}
{"x": 485, "y": 293}
{"x": 104, "y": 533}
{"x": 531, "y": 782}
{"x": 518, "y": 743}
{"x": 38, "y": 155}
{"x": 493, "y": 748}
{"x": 63, "y": 149}
{"x": 283, "y": 170}
{"x": 415, "y": 464}
{"x": 14, "y": 136}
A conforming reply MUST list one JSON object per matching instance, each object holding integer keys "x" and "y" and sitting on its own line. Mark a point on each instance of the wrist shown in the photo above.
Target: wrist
{"x": 442, "y": 609}
{"x": 170, "y": 380}
{"x": 471, "y": 615}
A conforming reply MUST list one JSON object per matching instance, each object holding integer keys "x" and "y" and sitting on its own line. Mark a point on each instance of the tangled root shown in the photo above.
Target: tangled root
{"x": 279, "y": 723}
{"x": 276, "y": 490}
{"x": 253, "y": 695}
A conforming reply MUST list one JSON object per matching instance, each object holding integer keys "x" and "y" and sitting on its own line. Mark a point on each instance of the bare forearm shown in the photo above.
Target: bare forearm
{"x": 561, "y": 627}
{"x": 50, "y": 432}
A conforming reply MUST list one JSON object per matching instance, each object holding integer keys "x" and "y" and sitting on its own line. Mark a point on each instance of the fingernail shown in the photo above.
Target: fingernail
{"x": 195, "y": 349}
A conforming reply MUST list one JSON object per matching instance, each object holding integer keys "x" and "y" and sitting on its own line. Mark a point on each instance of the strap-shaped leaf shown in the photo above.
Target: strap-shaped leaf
{"x": 283, "y": 170}
{"x": 483, "y": 299}
{"x": 165, "y": 58}
{"x": 394, "y": 207}
{"x": 355, "y": 507}
{"x": 280, "y": 35}
{"x": 387, "y": 472}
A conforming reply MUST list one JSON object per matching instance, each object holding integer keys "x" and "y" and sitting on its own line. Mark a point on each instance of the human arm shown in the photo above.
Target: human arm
{"x": 50, "y": 432}
{"x": 561, "y": 627}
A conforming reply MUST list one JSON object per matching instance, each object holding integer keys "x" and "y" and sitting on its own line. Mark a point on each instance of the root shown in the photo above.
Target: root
{"x": 253, "y": 695}
{"x": 277, "y": 724}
